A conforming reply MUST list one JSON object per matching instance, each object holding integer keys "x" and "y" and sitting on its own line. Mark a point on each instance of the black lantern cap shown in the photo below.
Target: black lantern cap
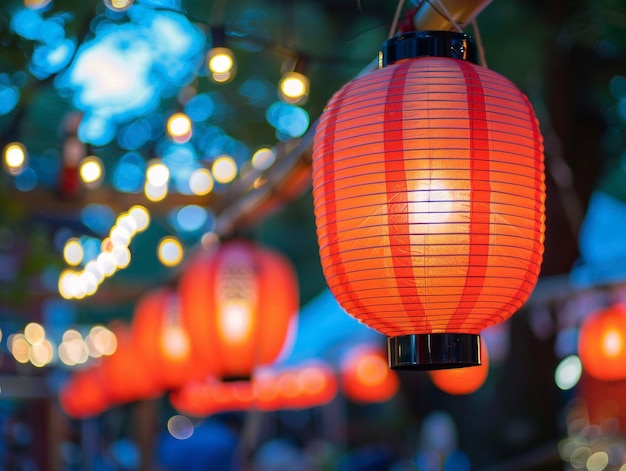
{"x": 427, "y": 43}
{"x": 419, "y": 352}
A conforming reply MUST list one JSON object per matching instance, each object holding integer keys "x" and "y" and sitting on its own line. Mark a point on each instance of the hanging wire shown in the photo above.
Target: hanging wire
{"x": 479, "y": 44}
{"x": 446, "y": 14}
{"x": 396, "y": 18}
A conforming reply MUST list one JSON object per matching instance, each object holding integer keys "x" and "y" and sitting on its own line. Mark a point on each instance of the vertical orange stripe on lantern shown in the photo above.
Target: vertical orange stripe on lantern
{"x": 429, "y": 195}
{"x": 239, "y": 304}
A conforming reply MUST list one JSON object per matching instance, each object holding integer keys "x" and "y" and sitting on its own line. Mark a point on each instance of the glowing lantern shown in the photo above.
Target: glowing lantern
{"x": 161, "y": 341}
{"x": 460, "y": 381}
{"x": 602, "y": 343}
{"x": 239, "y": 304}
{"x": 123, "y": 377}
{"x": 365, "y": 377}
{"x": 82, "y": 395}
{"x": 429, "y": 194}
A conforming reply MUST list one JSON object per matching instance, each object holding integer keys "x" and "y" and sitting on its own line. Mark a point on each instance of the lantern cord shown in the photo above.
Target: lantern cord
{"x": 479, "y": 43}
{"x": 446, "y": 14}
{"x": 396, "y": 18}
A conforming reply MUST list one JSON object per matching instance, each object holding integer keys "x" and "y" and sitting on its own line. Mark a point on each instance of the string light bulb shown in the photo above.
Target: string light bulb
{"x": 179, "y": 127}
{"x": 15, "y": 158}
{"x": 91, "y": 171}
{"x": 118, "y": 5}
{"x": 294, "y": 86}
{"x": 220, "y": 60}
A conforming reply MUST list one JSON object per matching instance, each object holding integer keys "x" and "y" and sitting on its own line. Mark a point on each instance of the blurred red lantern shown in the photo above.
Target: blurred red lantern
{"x": 82, "y": 395}
{"x": 461, "y": 381}
{"x": 211, "y": 396}
{"x": 365, "y": 376}
{"x": 161, "y": 341}
{"x": 602, "y": 343}
{"x": 429, "y": 194}
{"x": 122, "y": 375}
{"x": 239, "y": 304}
{"x": 307, "y": 385}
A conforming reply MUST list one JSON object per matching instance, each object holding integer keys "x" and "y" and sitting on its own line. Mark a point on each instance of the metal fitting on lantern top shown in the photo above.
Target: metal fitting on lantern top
{"x": 427, "y": 43}
{"x": 421, "y": 352}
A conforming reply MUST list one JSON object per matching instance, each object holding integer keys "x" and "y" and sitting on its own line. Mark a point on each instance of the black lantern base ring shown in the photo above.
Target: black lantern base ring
{"x": 420, "y": 352}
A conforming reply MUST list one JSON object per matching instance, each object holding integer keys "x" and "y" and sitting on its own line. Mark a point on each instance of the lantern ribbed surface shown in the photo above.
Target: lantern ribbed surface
{"x": 429, "y": 195}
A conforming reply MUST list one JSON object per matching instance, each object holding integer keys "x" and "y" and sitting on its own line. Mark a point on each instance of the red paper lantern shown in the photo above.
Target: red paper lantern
{"x": 161, "y": 341}
{"x": 365, "y": 377}
{"x": 461, "y": 381}
{"x": 429, "y": 194}
{"x": 602, "y": 343}
{"x": 82, "y": 395}
{"x": 239, "y": 304}
{"x": 122, "y": 375}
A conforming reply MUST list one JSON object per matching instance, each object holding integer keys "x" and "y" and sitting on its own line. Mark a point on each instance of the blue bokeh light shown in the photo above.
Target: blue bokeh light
{"x": 26, "y": 180}
{"x": 181, "y": 159}
{"x": 290, "y": 120}
{"x": 191, "y": 218}
{"x": 124, "y": 71}
{"x": 9, "y": 98}
{"x": 199, "y": 108}
{"x": 129, "y": 173}
{"x": 99, "y": 218}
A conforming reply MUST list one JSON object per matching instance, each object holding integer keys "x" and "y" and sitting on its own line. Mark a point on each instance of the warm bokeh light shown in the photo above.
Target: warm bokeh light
{"x": 118, "y": 5}
{"x": 170, "y": 251}
{"x": 36, "y": 4}
{"x": 91, "y": 171}
{"x": 73, "y": 349}
{"x": 120, "y": 236}
{"x": 155, "y": 193}
{"x": 15, "y": 158}
{"x": 101, "y": 341}
{"x": 34, "y": 333}
{"x": 179, "y": 127}
{"x": 73, "y": 252}
{"x": 19, "y": 347}
{"x": 294, "y": 88}
{"x": 263, "y": 158}
{"x": 41, "y": 354}
{"x": 201, "y": 182}
{"x": 224, "y": 169}
{"x": 157, "y": 173}
{"x": 141, "y": 216}
{"x": 221, "y": 61}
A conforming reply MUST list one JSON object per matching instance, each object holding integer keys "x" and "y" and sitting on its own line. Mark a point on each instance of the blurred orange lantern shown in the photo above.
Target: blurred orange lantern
{"x": 82, "y": 395}
{"x": 365, "y": 376}
{"x": 122, "y": 375}
{"x": 161, "y": 341}
{"x": 460, "y": 381}
{"x": 602, "y": 343}
{"x": 429, "y": 195}
{"x": 239, "y": 304}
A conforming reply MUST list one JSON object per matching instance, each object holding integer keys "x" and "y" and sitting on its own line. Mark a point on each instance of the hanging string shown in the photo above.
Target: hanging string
{"x": 479, "y": 43}
{"x": 396, "y": 18}
{"x": 447, "y": 14}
